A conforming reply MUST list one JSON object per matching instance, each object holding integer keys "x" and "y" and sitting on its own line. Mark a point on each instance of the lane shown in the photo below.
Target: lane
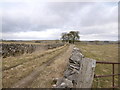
{"x": 51, "y": 71}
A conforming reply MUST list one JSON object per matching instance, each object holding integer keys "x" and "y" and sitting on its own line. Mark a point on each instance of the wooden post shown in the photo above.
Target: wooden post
{"x": 86, "y": 73}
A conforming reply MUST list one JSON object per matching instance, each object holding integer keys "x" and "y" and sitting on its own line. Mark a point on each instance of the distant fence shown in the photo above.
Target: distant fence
{"x": 113, "y": 72}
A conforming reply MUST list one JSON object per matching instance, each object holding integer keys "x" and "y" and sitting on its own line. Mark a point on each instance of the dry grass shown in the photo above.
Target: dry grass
{"x": 102, "y": 53}
{"x": 10, "y": 62}
{"x": 30, "y": 62}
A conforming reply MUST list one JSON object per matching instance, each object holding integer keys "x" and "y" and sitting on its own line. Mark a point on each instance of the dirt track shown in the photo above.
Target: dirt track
{"x": 42, "y": 77}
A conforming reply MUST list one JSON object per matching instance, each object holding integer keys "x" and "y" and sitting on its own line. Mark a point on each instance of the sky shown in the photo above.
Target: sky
{"x": 47, "y": 20}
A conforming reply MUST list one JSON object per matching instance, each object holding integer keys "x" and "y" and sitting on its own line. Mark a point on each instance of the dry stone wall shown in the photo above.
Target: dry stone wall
{"x": 72, "y": 75}
{"x": 18, "y": 49}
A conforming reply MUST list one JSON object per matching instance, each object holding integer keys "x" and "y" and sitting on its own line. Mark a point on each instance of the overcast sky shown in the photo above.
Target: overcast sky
{"x": 47, "y": 20}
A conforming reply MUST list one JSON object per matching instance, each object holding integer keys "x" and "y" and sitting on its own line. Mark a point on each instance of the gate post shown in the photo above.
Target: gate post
{"x": 86, "y": 73}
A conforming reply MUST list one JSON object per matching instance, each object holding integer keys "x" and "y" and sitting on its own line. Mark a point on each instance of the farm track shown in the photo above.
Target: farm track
{"x": 13, "y": 75}
{"x": 29, "y": 59}
{"x": 53, "y": 70}
{"x": 28, "y": 79}
{"x": 25, "y": 82}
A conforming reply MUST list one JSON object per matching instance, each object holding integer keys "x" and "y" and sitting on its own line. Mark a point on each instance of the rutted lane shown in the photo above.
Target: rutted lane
{"x": 53, "y": 70}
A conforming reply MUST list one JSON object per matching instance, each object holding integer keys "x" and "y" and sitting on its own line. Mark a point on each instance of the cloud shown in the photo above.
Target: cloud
{"x": 93, "y": 19}
{"x": 36, "y": 34}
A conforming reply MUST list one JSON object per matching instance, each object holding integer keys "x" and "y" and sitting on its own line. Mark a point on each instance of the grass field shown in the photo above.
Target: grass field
{"x": 107, "y": 52}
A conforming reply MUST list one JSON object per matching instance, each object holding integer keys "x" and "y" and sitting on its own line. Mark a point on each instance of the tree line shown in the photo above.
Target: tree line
{"x": 70, "y": 37}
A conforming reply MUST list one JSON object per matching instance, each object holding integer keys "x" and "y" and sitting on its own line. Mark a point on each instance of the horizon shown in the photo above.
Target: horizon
{"x": 54, "y": 40}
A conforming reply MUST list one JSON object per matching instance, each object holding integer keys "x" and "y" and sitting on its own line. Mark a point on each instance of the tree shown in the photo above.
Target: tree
{"x": 75, "y": 36}
{"x": 70, "y": 37}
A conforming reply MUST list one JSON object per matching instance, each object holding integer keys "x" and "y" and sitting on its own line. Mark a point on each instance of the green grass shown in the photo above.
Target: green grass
{"x": 107, "y": 52}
